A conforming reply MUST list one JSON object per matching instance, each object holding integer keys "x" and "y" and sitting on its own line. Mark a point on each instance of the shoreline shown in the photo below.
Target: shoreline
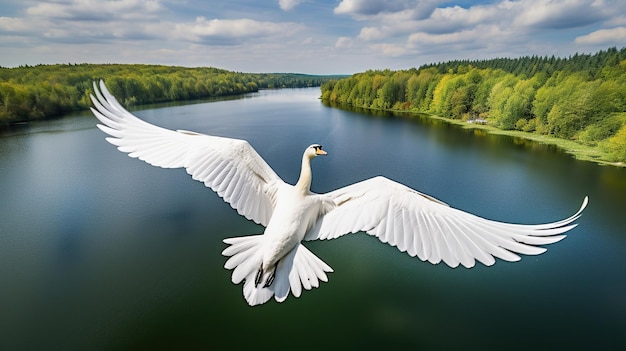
{"x": 577, "y": 150}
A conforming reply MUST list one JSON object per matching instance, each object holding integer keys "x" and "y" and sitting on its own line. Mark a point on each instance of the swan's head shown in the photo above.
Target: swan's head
{"x": 314, "y": 151}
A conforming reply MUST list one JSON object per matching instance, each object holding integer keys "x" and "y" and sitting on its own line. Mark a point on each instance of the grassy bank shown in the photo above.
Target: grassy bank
{"x": 577, "y": 150}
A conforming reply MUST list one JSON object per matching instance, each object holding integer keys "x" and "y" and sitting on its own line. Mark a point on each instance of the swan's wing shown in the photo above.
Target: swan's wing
{"x": 431, "y": 230}
{"x": 230, "y": 167}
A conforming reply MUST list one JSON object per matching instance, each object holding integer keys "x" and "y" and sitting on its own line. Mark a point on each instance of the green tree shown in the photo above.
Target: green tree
{"x": 616, "y": 146}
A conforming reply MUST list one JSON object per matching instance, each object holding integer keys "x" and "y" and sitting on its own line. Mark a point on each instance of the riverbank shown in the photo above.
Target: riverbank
{"x": 577, "y": 150}
{"x": 581, "y": 98}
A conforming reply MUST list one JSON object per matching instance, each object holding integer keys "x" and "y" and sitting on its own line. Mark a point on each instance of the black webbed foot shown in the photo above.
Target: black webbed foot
{"x": 270, "y": 279}
{"x": 259, "y": 275}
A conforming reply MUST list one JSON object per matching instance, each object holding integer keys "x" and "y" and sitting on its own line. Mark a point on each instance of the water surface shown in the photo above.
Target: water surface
{"x": 101, "y": 251}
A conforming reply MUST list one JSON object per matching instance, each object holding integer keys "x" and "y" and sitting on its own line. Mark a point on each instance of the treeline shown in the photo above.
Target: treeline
{"x": 581, "y": 98}
{"x": 592, "y": 65}
{"x": 43, "y": 91}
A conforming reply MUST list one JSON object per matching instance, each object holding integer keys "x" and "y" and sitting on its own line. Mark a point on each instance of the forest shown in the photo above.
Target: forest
{"x": 580, "y": 98}
{"x": 44, "y": 91}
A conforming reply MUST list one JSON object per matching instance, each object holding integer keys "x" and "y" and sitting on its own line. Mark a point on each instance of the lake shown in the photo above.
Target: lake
{"x": 99, "y": 251}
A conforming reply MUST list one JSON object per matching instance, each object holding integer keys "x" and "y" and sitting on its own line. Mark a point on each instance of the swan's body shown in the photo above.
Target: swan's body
{"x": 296, "y": 211}
{"x": 276, "y": 262}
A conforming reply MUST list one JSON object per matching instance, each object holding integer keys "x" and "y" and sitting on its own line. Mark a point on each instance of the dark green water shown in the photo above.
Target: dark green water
{"x": 99, "y": 251}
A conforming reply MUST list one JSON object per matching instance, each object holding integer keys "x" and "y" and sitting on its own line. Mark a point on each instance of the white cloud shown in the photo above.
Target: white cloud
{"x": 14, "y": 25}
{"x": 386, "y": 9}
{"x": 344, "y": 42}
{"x": 353, "y": 34}
{"x": 82, "y": 21}
{"x": 488, "y": 34}
{"x": 369, "y": 7}
{"x": 513, "y": 27}
{"x": 559, "y": 14}
{"x": 455, "y": 19}
{"x": 466, "y": 17}
{"x": 372, "y": 33}
{"x": 287, "y": 5}
{"x": 613, "y": 36}
{"x": 76, "y": 21}
{"x": 96, "y": 10}
{"x": 230, "y": 31}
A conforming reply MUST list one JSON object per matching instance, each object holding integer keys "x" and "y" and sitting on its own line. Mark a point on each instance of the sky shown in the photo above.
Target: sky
{"x": 303, "y": 36}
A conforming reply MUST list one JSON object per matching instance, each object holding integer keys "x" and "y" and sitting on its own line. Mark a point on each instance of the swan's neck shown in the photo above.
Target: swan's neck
{"x": 304, "y": 182}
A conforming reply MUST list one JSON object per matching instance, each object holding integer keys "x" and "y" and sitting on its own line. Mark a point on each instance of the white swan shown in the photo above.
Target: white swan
{"x": 274, "y": 263}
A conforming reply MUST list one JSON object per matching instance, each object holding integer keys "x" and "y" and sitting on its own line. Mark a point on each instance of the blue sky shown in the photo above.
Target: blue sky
{"x": 306, "y": 36}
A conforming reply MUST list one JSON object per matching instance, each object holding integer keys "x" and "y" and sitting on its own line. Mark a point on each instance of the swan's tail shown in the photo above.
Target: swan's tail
{"x": 299, "y": 268}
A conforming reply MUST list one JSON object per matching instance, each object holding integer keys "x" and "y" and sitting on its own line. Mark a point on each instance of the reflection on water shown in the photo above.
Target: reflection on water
{"x": 101, "y": 251}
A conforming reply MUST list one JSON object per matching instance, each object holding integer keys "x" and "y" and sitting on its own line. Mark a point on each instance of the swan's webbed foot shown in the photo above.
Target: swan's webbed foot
{"x": 259, "y": 275}
{"x": 270, "y": 279}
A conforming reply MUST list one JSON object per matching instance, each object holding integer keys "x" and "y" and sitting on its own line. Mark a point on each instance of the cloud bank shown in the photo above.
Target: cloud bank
{"x": 325, "y": 36}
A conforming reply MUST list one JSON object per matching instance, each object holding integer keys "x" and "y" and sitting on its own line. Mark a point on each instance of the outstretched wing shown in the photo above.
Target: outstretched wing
{"x": 424, "y": 227}
{"x": 230, "y": 167}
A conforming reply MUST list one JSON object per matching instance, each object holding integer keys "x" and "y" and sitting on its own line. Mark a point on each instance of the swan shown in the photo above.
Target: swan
{"x": 276, "y": 262}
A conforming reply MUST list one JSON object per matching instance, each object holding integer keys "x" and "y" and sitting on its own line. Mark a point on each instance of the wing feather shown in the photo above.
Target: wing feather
{"x": 429, "y": 229}
{"x": 423, "y": 249}
{"x": 230, "y": 167}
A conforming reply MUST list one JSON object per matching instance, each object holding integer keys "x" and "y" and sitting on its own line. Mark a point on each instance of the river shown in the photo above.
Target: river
{"x": 101, "y": 251}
